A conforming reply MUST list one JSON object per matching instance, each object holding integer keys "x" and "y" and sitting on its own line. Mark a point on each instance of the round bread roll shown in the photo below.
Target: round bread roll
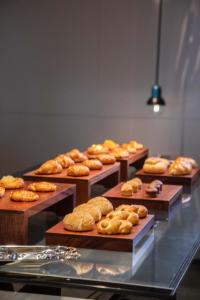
{"x": 125, "y": 227}
{"x": 42, "y": 186}
{"x": 10, "y": 182}
{"x": 155, "y": 165}
{"x": 78, "y": 171}
{"x": 107, "y": 226}
{"x": 50, "y": 167}
{"x": 2, "y": 191}
{"x": 24, "y": 196}
{"x": 93, "y": 164}
{"x": 104, "y": 204}
{"x": 106, "y": 159}
{"x": 126, "y": 189}
{"x": 64, "y": 160}
{"x": 93, "y": 210}
{"x": 79, "y": 221}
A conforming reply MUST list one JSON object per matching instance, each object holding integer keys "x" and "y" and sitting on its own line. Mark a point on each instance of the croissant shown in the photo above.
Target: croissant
{"x": 77, "y": 156}
{"x": 64, "y": 160}
{"x": 93, "y": 164}
{"x": 24, "y": 195}
{"x": 50, "y": 167}
{"x": 78, "y": 170}
{"x": 10, "y": 182}
{"x": 106, "y": 159}
{"x": 42, "y": 187}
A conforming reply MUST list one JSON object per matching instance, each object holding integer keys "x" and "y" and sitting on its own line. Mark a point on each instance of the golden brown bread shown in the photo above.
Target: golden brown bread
{"x": 2, "y": 191}
{"x": 188, "y": 160}
{"x": 136, "y": 145}
{"x": 119, "y": 153}
{"x": 96, "y": 149}
{"x": 126, "y": 189}
{"x": 125, "y": 227}
{"x": 107, "y": 226}
{"x": 93, "y": 210}
{"x": 42, "y": 186}
{"x": 124, "y": 215}
{"x": 24, "y": 195}
{"x": 141, "y": 210}
{"x": 64, "y": 160}
{"x": 106, "y": 159}
{"x": 110, "y": 144}
{"x": 104, "y": 204}
{"x": 93, "y": 164}
{"x": 78, "y": 221}
{"x": 129, "y": 148}
{"x": 78, "y": 171}
{"x": 180, "y": 167}
{"x": 50, "y": 167}
{"x": 10, "y": 182}
{"x": 155, "y": 165}
{"x": 77, "y": 156}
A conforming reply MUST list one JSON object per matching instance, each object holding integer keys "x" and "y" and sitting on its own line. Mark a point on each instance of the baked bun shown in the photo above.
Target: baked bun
{"x": 77, "y": 156}
{"x": 188, "y": 160}
{"x": 42, "y": 186}
{"x": 107, "y": 226}
{"x": 125, "y": 227}
{"x": 96, "y": 149}
{"x": 79, "y": 221}
{"x": 106, "y": 159}
{"x": 78, "y": 171}
{"x": 181, "y": 167}
{"x": 136, "y": 145}
{"x": 124, "y": 215}
{"x": 136, "y": 180}
{"x": 110, "y": 144}
{"x": 93, "y": 164}
{"x": 129, "y": 148}
{"x": 119, "y": 153}
{"x": 24, "y": 195}
{"x": 155, "y": 165}
{"x": 94, "y": 211}
{"x": 104, "y": 204}
{"x": 50, "y": 167}
{"x": 138, "y": 209}
{"x": 2, "y": 191}
{"x": 10, "y": 182}
{"x": 64, "y": 160}
{"x": 126, "y": 189}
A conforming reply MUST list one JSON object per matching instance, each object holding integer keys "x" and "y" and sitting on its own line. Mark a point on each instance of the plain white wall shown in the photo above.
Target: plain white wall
{"x": 74, "y": 72}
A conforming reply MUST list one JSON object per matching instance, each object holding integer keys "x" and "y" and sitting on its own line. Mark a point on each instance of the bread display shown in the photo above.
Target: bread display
{"x": 77, "y": 156}
{"x": 93, "y": 164}
{"x": 110, "y": 144}
{"x": 79, "y": 221}
{"x": 106, "y": 159}
{"x": 64, "y": 160}
{"x": 78, "y": 171}
{"x": 42, "y": 186}
{"x": 119, "y": 153}
{"x": 2, "y": 191}
{"x": 97, "y": 149}
{"x": 155, "y": 165}
{"x": 49, "y": 167}
{"x": 10, "y": 182}
{"x": 24, "y": 195}
{"x": 93, "y": 210}
{"x": 104, "y": 204}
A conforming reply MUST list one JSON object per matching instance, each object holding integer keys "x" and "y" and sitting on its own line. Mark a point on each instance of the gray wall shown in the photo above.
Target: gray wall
{"x": 73, "y": 72}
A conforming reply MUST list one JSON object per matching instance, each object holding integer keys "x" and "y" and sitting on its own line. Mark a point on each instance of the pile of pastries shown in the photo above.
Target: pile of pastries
{"x": 180, "y": 166}
{"x": 21, "y": 193}
{"x": 98, "y": 213}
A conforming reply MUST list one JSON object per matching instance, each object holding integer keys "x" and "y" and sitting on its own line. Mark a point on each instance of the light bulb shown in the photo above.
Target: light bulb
{"x": 156, "y": 108}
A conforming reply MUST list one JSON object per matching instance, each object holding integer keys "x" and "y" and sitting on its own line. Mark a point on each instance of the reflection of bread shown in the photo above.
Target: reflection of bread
{"x": 106, "y": 159}
{"x": 155, "y": 165}
{"x": 104, "y": 204}
{"x": 97, "y": 149}
{"x": 76, "y": 155}
{"x": 24, "y": 195}
{"x": 126, "y": 189}
{"x": 93, "y": 164}
{"x": 111, "y": 270}
{"x": 2, "y": 191}
{"x": 42, "y": 187}
{"x": 49, "y": 167}
{"x": 94, "y": 211}
{"x": 79, "y": 221}
{"x": 181, "y": 167}
{"x": 10, "y": 182}
{"x": 78, "y": 171}
{"x": 81, "y": 268}
{"x": 64, "y": 160}
{"x": 107, "y": 226}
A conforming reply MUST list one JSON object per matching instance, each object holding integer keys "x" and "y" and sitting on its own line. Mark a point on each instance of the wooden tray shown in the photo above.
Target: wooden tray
{"x": 163, "y": 202}
{"x": 167, "y": 178}
{"x": 57, "y": 235}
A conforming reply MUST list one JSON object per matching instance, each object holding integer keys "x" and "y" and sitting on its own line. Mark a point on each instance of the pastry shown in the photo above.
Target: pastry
{"x": 64, "y": 160}
{"x": 138, "y": 209}
{"x": 42, "y": 186}
{"x": 187, "y": 159}
{"x": 125, "y": 227}
{"x": 10, "y": 182}
{"x": 136, "y": 184}
{"x": 104, "y": 204}
{"x": 107, "y": 226}
{"x": 155, "y": 165}
{"x": 2, "y": 191}
{"x": 125, "y": 207}
{"x": 93, "y": 210}
{"x": 110, "y": 144}
{"x": 119, "y": 153}
{"x": 50, "y": 167}
{"x": 151, "y": 191}
{"x": 77, "y": 156}
{"x": 78, "y": 171}
{"x": 24, "y": 195}
{"x": 129, "y": 148}
{"x": 96, "y": 149}
{"x": 124, "y": 215}
{"x": 79, "y": 221}
{"x": 157, "y": 184}
{"x": 106, "y": 159}
{"x": 126, "y": 189}
{"x": 93, "y": 164}
{"x": 136, "y": 145}
{"x": 180, "y": 167}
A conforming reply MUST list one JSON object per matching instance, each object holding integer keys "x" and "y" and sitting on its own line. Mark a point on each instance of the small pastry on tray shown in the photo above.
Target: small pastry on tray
{"x": 126, "y": 189}
{"x": 78, "y": 171}
{"x": 10, "y": 182}
{"x": 93, "y": 164}
{"x": 119, "y": 153}
{"x": 124, "y": 215}
{"x": 129, "y": 148}
{"x": 136, "y": 184}
{"x": 93, "y": 210}
{"x": 104, "y": 204}
{"x": 106, "y": 159}
{"x": 24, "y": 196}
{"x": 141, "y": 210}
{"x": 155, "y": 165}
{"x": 2, "y": 191}
{"x": 181, "y": 167}
{"x": 110, "y": 144}
{"x": 77, "y": 156}
{"x": 125, "y": 227}
{"x": 151, "y": 191}
{"x": 188, "y": 160}
{"x": 97, "y": 149}
{"x": 64, "y": 160}
{"x": 107, "y": 226}
{"x": 79, "y": 221}
{"x": 42, "y": 186}
{"x": 136, "y": 145}
{"x": 49, "y": 167}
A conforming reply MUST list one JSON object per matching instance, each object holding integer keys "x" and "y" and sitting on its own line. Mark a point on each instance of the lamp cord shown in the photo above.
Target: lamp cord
{"x": 158, "y": 41}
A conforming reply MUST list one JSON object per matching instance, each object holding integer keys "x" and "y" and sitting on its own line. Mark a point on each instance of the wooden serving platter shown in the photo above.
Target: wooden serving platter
{"x": 57, "y": 235}
{"x": 167, "y": 178}
{"x": 109, "y": 174}
{"x": 162, "y": 203}
{"x": 14, "y": 216}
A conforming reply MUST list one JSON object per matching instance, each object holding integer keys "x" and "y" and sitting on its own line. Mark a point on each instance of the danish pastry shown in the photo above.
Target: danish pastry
{"x": 64, "y": 160}
{"x": 110, "y": 144}
{"x": 2, "y": 191}
{"x": 136, "y": 145}
{"x": 10, "y": 182}
{"x": 126, "y": 189}
{"x": 77, "y": 156}
{"x": 181, "y": 167}
{"x": 119, "y": 153}
{"x": 79, "y": 221}
{"x": 94, "y": 211}
{"x": 24, "y": 195}
{"x": 41, "y": 186}
{"x": 107, "y": 226}
{"x": 50, "y": 167}
{"x": 155, "y": 165}
{"x": 106, "y": 159}
{"x": 129, "y": 148}
{"x": 104, "y": 204}
{"x": 93, "y": 164}
{"x": 78, "y": 171}
{"x": 125, "y": 227}
{"x": 96, "y": 149}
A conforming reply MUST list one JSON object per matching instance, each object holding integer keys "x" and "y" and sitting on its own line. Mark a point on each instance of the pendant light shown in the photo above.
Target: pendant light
{"x": 156, "y": 101}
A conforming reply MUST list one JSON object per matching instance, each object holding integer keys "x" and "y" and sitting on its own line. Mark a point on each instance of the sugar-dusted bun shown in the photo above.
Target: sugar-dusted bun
{"x": 10, "y": 182}
{"x": 50, "y": 167}
{"x": 24, "y": 195}
{"x": 93, "y": 210}
{"x": 64, "y": 160}
{"x": 93, "y": 164}
{"x": 104, "y": 204}
{"x": 78, "y": 171}
{"x": 79, "y": 221}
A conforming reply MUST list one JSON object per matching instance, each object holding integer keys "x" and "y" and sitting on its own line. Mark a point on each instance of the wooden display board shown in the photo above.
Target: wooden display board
{"x": 109, "y": 174}
{"x": 14, "y": 216}
{"x": 57, "y": 235}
